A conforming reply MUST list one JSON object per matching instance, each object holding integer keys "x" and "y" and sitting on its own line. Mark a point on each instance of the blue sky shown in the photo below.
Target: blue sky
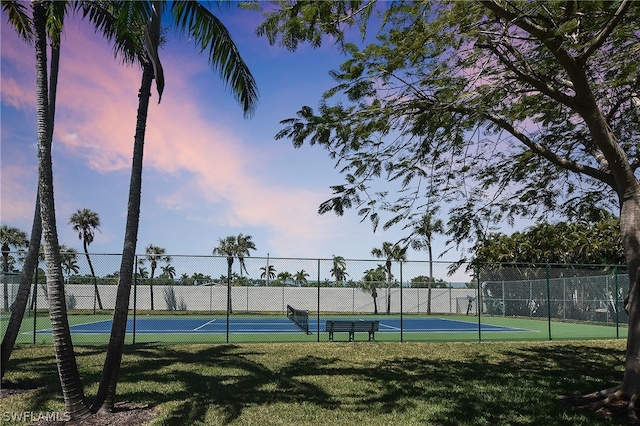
{"x": 208, "y": 171}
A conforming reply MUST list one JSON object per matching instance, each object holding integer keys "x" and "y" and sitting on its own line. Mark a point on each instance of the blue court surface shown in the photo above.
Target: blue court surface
{"x": 182, "y": 325}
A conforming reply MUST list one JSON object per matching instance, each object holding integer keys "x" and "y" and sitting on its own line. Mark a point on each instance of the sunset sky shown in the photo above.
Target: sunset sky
{"x": 208, "y": 171}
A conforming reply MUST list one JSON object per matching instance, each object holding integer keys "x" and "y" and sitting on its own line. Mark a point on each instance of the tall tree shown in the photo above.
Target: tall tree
{"x": 134, "y": 22}
{"x": 85, "y": 222}
{"x": 391, "y": 252}
{"x": 501, "y": 109}
{"x": 21, "y": 20}
{"x": 424, "y": 230}
{"x": 72, "y": 390}
{"x": 155, "y": 254}
{"x": 15, "y": 238}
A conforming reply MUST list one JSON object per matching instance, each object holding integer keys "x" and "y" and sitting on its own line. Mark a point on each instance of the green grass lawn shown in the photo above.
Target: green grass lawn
{"x": 362, "y": 383}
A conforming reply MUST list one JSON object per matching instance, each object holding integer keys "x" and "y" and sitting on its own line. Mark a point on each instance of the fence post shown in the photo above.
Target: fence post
{"x": 615, "y": 271}
{"x": 318, "y": 309}
{"x": 479, "y": 304}
{"x": 135, "y": 301}
{"x": 35, "y": 305}
{"x": 548, "y": 300}
{"x": 401, "y": 307}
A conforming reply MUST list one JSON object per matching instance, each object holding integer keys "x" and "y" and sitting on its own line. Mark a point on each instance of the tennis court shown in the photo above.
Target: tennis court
{"x": 199, "y": 325}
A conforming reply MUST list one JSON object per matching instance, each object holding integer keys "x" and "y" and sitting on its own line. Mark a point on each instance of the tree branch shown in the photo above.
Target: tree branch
{"x": 550, "y": 155}
{"x": 599, "y": 39}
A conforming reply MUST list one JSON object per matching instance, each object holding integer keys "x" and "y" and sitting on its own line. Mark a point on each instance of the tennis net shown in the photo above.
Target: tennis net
{"x": 299, "y": 317}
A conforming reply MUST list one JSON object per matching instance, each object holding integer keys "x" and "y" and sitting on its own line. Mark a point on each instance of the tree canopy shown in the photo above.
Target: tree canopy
{"x": 495, "y": 109}
{"x": 562, "y": 243}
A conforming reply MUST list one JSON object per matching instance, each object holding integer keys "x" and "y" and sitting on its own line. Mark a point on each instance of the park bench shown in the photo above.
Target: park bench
{"x": 352, "y": 327}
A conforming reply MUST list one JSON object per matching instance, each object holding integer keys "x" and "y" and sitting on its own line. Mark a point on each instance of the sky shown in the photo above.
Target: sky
{"x": 209, "y": 172}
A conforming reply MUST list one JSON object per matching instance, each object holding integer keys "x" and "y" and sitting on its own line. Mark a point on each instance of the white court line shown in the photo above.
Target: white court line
{"x": 204, "y": 325}
{"x": 390, "y": 327}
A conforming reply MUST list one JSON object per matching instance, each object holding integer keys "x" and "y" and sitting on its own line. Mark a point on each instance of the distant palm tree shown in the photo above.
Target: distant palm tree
{"x": 85, "y": 222}
{"x": 283, "y": 277}
{"x": 168, "y": 271}
{"x": 10, "y": 237}
{"x": 244, "y": 244}
{"x": 338, "y": 271}
{"x": 390, "y": 252}
{"x": 426, "y": 228}
{"x": 69, "y": 260}
{"x": 301, "y": 277}
{"x": 370, "y": 282}
{"x": 143, "y": 272}
{"x": 228, "y": 247}
{"x": 155, "y": 254}
{"x": 268, "y": 272}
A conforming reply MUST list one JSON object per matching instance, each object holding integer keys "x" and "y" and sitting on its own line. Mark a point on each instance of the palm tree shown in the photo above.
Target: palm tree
{"x": 268, "y": 272}
{"x": 227, "y": 247}
{"x": 85, "y": 222}
{"x": 301, "y": 277}
{"x": 143, "y": 272}
{"x": 390, "y": 252}
{"x": 155, "y": 254}
{"x": 245, "y": 244}
{"x": 338, "y": 270}
{"x": 168, "y": 271}
{"x": 10, "y": 237}
{"x": 426, "y": 227}
{"x": 372, "y": 278}
{"x": 129, "y": 23}
{"x": 283, "y": 277}
{"x": 67, "y": 367}
{"x": 69, "y": 260}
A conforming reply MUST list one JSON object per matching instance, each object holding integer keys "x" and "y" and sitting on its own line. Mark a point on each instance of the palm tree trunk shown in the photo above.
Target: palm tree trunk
{"x": 31, "y": 260}
{"x": 65, "y": 357}
{"x": 105, "y": 398}
{"x": 93, "y": 274}
{"x": 5, "y": 270}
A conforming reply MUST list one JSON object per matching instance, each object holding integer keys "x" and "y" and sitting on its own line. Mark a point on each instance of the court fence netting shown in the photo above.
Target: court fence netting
{"x": 529, "y": 301}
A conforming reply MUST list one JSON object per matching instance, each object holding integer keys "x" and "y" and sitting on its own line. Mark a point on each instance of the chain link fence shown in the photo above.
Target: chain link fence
{"x": 413, "y": 300}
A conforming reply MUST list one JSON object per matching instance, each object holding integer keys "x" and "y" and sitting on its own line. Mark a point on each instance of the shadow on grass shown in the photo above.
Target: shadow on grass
{"x": 510, "y": 385}
{"x": 222, "y": 376}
